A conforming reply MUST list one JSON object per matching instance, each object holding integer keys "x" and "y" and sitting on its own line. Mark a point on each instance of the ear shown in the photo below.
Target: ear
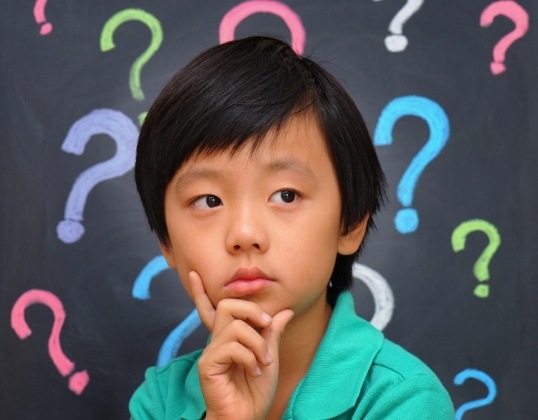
{"x": 351, "y": 241}
{"x": 168, "y": 254}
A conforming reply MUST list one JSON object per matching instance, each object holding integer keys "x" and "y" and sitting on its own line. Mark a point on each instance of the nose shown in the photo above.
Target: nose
{"x": 247, "y": 232}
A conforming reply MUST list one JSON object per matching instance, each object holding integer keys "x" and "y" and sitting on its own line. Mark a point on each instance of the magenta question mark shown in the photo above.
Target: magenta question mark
{"x": 78, "y": 380}
{"x": 518, "y": 15}
{"x": 39, "y": 15}
{"x": 125, "y": 133}
{"x": 240, "y": 12}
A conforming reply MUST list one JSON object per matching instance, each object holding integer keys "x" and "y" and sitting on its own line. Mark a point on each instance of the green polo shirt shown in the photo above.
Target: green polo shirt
{"x": 356, "y": 374}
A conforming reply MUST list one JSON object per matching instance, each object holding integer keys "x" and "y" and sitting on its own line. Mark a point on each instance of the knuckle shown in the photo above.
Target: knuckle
{"x": 225, "y": 305}
{"x": 237, "y": 325}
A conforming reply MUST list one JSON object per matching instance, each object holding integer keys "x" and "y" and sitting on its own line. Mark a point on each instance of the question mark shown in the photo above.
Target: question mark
{"x": 518, "y": 15}
{"x": 482, "y": 377}
{"x": 480, "y": 270}
{"x": 39, "y": 15}
{"x": 175, "y": 339}
{"x": 100, "y": 121}
{"x": 381, "y": 291}
{"x": 107, "y": 43}
{"x": 406, "y": 220}
{"x": 240, "y": 12}
{"x": 78, "y": 380}
{"x": 397, "y": 42}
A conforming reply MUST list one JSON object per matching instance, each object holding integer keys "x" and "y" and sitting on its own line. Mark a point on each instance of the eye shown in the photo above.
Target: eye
{"x": 284, "y": 196}
{"x": 206, "y": 202}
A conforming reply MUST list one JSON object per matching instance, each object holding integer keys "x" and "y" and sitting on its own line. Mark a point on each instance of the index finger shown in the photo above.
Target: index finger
{"x": 203, "y": 304}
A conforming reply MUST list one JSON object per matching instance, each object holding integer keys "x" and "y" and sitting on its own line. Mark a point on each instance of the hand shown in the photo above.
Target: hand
{"x": 239, "y": 367}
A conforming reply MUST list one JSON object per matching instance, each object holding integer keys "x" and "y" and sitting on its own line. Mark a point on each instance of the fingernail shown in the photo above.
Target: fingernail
{"x": 258, "y": 371}
{"x": 266, "y": 317}
{"x": 268, "y": 357}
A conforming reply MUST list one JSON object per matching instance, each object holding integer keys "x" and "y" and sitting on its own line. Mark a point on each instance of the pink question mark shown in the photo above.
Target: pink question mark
{"x": 514, "y": 12}
{"x": 240, "y": 12}
{"x": 39, "y": 15}
{"x": 78, "y": 380}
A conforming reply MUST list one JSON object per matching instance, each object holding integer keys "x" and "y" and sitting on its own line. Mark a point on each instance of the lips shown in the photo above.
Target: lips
{"x": 247, "y": 281}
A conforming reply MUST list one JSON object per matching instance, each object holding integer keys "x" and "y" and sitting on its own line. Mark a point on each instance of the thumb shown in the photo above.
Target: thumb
{"x": 273, "y": 333}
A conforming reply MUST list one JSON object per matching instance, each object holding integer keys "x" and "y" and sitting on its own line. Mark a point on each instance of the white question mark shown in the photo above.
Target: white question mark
{"x": 397, "y": 42}
{"x": 125, "y": 133}
{"x": 381, "y": 291}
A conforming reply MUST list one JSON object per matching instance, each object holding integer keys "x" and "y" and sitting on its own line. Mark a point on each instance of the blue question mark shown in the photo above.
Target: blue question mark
{"x": 482, "y": 377}
{"x": 175, "y": 339}
{"x": 407, "y": 219}
{"x": 125, "y": 134}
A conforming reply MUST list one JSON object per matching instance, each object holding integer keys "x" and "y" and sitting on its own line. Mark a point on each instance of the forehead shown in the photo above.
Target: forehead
{"x": 299, "y": 137}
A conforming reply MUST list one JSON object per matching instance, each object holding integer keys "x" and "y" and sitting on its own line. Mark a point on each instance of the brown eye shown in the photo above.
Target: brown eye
{"x": 287, "y": 196}
{"x": 284, "y": 197}
{"x": 212, "y": 201}
{"x": 207, "y": 202}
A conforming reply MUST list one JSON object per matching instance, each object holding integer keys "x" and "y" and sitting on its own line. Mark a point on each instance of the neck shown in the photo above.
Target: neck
{"x": 298, "y": 347}
{"x": 301, "y": 340}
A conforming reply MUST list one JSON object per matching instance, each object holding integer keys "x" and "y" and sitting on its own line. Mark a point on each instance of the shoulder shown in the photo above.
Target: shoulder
{"x": 399, "y": 385}
{"x": 158, "y": 396}
{"x": 366, "y": 376}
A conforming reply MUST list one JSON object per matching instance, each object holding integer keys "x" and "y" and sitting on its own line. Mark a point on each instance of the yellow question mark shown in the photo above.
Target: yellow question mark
{"x": 480, "y": 270}
{"x": 107, "y": 43}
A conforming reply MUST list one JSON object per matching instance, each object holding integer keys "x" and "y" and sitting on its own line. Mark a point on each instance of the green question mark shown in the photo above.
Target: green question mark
{"x": 480, "y": 270}
{"x": 107, "y": 43}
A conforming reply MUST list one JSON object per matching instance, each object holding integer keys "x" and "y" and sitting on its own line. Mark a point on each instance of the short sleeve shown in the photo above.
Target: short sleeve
{"x": 147, "y": 401}
{"x": 418, "y": 397}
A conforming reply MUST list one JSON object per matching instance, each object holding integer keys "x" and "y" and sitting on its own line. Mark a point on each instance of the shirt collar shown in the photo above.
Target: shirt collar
{"x": 347, "y": 349}
{"x": 195, "y": 405}
{"x": 338, "y": 371}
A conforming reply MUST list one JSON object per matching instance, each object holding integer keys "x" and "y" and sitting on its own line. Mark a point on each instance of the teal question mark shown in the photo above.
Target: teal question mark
{"x": 175, "y": 339}
{"x": 479, "y": 376}
{"x": 407, "y": 219}
{"x": 481, "y": 267}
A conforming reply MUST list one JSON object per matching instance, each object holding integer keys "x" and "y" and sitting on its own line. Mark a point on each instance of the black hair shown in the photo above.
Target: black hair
{"x": 235, "y": 93}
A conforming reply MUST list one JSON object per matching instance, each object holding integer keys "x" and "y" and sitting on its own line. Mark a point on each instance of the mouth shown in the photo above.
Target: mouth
{"x": 247, "y": 281}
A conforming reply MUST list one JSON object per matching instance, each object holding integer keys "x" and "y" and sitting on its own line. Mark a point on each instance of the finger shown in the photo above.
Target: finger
{"x": 239, "y": 331}
{"x": 273, "y": 333}
{"x": 231, "y": 309}
{"x": 205, "y": 307}
{"x": 218, "y": 360}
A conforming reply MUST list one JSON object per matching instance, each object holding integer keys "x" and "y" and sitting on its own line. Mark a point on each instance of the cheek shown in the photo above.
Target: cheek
{"x": 196, "y": 253}
{"x": 310, "y": 249}
{"x": 192, "y": 255}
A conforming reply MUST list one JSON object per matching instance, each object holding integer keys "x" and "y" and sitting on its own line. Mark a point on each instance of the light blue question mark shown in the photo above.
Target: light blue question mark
{"x": 407, "y": 219}
{"x": 482, "y": 377}
{"x": 125, "y": 134}
{"x": 178, "y": 335}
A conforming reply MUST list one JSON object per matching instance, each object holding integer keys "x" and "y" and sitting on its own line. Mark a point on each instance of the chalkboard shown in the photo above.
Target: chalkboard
{"x": 451, "y": 102}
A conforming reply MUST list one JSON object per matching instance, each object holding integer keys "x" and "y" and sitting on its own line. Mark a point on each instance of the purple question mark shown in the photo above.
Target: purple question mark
{"x": 175, "y": 339}
{"x": 482, "y": 377}
{"x": 125, "y": 133}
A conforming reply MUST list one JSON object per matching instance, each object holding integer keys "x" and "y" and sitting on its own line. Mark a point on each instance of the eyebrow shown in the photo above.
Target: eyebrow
{"x": 281, "y": 165}
{"x": 291, "y": 165}
{"x": 194, "y": 175}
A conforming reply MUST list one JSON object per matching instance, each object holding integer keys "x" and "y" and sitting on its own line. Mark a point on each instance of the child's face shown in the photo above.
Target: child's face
{"x": 262, "y": 227}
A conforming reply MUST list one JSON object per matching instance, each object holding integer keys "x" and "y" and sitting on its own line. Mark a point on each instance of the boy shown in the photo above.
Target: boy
{"x": 258, "y": 175}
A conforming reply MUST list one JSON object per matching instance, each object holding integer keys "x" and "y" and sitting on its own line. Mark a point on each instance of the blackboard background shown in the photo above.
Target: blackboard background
{"x": 487, "y": 170}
